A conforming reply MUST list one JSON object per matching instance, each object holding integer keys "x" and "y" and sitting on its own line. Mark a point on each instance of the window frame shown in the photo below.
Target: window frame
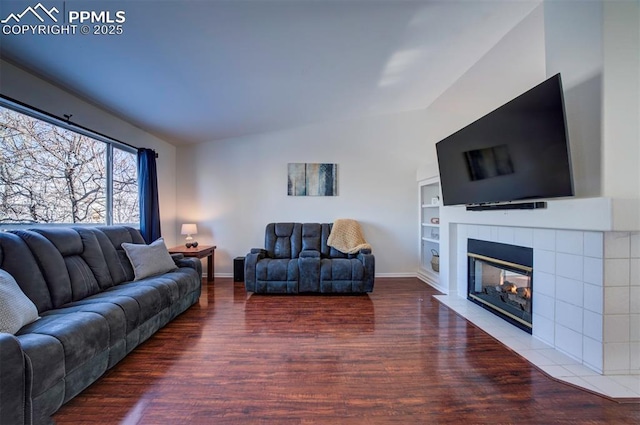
{"x": 110, "y": 143}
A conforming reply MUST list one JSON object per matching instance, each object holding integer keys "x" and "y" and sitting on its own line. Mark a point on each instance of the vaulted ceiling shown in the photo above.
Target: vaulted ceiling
{"x": 196, "y": 71}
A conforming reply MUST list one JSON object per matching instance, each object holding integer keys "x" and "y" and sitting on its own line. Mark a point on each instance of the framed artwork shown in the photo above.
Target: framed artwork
{"x": 312, "y": 179}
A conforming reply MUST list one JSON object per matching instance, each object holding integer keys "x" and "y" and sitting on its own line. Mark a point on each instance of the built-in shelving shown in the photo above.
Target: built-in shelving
{"x": 429, "y": 198}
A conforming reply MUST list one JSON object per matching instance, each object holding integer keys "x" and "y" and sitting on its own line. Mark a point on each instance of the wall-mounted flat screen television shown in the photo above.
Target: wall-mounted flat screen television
{"x": 519, "y": 151}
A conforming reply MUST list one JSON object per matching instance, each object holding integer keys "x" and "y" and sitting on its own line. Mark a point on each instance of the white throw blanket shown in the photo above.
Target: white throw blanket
{"x": 346, "y": 236}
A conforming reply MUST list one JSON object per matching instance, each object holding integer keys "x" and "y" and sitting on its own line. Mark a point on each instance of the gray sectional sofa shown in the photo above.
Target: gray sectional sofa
{"x": 297, "y": 259}
{"x": 91, "y": 313}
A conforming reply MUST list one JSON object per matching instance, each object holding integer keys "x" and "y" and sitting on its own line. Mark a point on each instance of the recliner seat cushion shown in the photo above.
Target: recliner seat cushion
{"x": 46, "y": 355}
{"x": 130, "y": 307}
{"x": 83, "y": 335}
{"x": 341, "y": 275}
{"x": 277, "y": 276}
{"x": 112, "y": 313}
{"x": 281, "y": 269}
{"x": 149, "y": 299}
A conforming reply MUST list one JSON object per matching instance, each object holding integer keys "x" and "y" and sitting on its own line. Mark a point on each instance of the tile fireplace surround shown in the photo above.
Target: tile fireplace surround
{"x": 586, "y": 302}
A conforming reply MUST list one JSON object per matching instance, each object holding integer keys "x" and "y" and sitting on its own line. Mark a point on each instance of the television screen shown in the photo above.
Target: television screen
{"x": 519, "y": 151}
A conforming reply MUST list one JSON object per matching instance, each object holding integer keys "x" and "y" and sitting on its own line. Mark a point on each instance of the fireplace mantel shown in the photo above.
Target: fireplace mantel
{"x": 598, "y": 214}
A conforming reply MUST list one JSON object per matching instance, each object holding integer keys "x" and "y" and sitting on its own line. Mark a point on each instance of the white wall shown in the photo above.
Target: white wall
{"x": 621, "y": 101}
{"x": 573, "y": 47}
{"x": 27, "y": 88}
{"x": 595, "y": 45}
{"x": 241, "y": 185}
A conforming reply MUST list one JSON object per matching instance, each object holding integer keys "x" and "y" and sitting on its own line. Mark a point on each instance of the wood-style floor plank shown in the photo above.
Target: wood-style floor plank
{"x": 396, "y": 356}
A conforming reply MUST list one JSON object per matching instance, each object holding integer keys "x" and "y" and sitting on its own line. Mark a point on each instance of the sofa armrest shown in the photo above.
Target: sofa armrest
{"x": 310, "y": 253}
{"x": 369, "y": 264}
{"x": 190, "y": 262}
{"x": 15, "y": 391}
{"x": 176, "y": 257}
{"x": 250, "y": 263}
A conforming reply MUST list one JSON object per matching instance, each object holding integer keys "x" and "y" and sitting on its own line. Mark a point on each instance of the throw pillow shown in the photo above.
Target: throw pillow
{"x": 149, "y": 260}
{"x": 16, "y": 309}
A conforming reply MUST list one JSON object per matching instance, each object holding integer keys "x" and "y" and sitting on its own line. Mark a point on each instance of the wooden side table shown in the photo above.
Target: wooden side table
{"x": 200, "y": 251}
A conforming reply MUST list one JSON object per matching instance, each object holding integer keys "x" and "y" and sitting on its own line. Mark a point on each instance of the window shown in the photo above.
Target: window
{"x": 51, "y": 172}
{"x": 125, "y": 187}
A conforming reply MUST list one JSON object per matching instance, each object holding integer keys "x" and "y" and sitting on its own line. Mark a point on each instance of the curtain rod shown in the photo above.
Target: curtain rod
{"x": 66, "y": 120}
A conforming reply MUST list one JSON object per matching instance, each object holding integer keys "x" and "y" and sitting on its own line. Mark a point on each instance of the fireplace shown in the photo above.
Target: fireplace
{"x": 500, "y": 279}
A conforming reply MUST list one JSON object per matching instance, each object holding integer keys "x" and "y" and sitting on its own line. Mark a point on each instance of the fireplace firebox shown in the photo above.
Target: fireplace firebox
{"x": 500, "y": 279}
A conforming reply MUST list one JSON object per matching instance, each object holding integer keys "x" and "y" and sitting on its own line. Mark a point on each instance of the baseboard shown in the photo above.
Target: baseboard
{"x": 219, "y": 275}
{"x": 377, "y": 275}
{"x": 395, "y": 275}
{"x": 436, "y": 285}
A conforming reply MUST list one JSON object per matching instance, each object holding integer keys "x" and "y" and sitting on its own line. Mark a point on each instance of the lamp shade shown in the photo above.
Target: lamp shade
{"x": 189, "y": 229}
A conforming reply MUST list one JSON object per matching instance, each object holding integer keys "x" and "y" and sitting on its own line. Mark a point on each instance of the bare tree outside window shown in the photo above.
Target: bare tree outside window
{"x": 49, "y": 174}
{"x": 125, "y": 187}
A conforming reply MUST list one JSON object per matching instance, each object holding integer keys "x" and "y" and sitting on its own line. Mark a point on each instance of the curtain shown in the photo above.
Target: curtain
{"x": 148, "y": 195}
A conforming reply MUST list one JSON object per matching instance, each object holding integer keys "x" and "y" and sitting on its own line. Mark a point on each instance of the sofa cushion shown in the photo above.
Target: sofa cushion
{"x": 149, "y": 260}
{"x": 95, "y": 256}
{"x": 119, "y": 265}
{"x": 270, "y": 269}
{"x": 311, "y": 236}
{"x": 150, "y": 300}
{"x": 172, "y": 286}
{"x": 83, "y": 335}
{"x": 16, "y": 310}
{"x": 59, "y": 254}
{"x": 115, "y": 317}
{"x": 277, "y": 276}
{"x": 26, "y": 262}
{"x": 283, "y": 240}
{"x": 129, "y": 306}
{"x": 341, "y": 275}
{"x": 46, "y": 355}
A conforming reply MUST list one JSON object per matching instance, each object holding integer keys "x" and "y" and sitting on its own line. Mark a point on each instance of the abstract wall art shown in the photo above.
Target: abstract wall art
{"x": 312, "y": 179}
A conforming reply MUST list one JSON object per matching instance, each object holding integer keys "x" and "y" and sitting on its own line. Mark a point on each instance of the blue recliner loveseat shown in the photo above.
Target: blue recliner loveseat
{"x": 297, "y": 259}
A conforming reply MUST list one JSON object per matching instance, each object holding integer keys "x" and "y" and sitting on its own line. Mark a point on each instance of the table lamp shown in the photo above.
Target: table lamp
{"x": 189, "y": 229}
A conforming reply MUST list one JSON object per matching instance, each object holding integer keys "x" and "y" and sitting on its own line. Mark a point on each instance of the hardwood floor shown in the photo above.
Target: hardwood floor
{"x": 396, "y": 356}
